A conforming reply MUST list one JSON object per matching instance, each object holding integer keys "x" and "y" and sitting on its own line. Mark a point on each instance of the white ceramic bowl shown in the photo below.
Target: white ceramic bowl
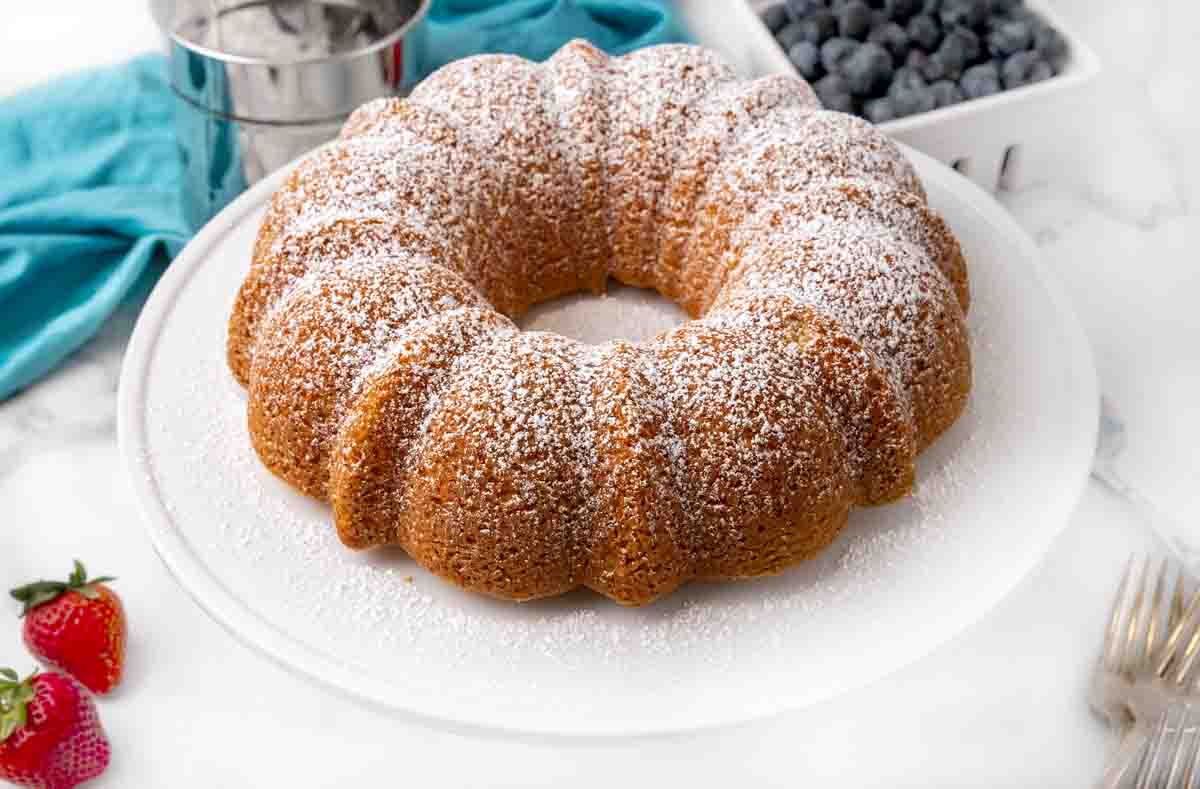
{"x": 985, "y": 139}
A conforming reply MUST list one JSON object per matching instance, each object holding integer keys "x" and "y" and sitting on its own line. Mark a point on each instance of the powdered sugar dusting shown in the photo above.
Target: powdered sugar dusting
{"x": 362, "y": 604}
{"x": 724, "y": 117}
{"x": 654, "y": 97}
{"x": 333, "y": 325}
{"x": 898, "y": 580}
{"x": 879, "y": 287}
{"x": 529, "y": 173}
{"x": 468, "y": 194}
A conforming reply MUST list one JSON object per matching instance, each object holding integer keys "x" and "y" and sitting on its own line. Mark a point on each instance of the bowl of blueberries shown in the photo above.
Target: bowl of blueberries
{"x": 970, "y": 82}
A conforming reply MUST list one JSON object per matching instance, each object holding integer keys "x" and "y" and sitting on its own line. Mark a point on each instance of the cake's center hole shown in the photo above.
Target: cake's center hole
{"x": 624, "y": 313}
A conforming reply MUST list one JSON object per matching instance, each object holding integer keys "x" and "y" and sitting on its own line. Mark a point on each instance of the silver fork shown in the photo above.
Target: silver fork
{"x": 1150, "y": 658}
{"x": 1171, "y": 756}
{"x": 1165, "y": 755}
{"x": 1143, "y": 637}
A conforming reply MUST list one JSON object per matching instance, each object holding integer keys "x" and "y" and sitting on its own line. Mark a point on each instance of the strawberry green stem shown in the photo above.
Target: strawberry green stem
{"x": 15, "y": 695}
{"x": 42, "y": 592}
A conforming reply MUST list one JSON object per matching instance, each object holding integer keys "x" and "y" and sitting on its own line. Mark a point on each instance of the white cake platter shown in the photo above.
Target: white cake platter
{"x": 991, "y": 495}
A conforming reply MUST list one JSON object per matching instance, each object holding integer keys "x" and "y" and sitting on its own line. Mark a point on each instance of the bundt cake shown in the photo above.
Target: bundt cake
{"x": 374, "y": 331}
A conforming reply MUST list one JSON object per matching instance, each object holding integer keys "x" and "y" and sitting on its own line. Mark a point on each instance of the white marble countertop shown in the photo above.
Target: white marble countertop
{"x": 1114, "y": 209}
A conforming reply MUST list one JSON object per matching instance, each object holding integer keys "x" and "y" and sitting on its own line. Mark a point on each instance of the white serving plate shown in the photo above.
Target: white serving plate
{"x": 264, "y": 562}
{"x": 986, "y": 140}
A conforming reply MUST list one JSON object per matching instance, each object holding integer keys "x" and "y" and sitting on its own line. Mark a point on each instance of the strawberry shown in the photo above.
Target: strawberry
{"x": 77, "y": 626}
{"x": 50, "y": 734}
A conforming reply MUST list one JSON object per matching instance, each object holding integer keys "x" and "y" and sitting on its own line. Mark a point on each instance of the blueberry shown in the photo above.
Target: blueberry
{"x": 879, "y": 110}
{"x": 1025, "y": 68}
{"x": 925, "y": 32}
{"x": 906, "y": 77}
{"x": 812, "y": 30}
{"x": 979, "y": 81}
{"x": 1049, "y": 43}
{"x": 972, "y": 44}
{"x": 910, "y": 98}
{"x": 916, "y": 61}
{"x": 799, "y": 10}
{"x": 965, "y": 13}
{"x": 791, "y": 35}
{"x": 836, "y": 51}
{"x": 946, "y": 93}
{"x": 820, "y": 27}
{"x": 775, "y": 18}
{"x": 959, "y": 49}
{"x": 937, "y": 67}
{"x": 869, "y": 70}
{"x": 901, "y": 10}
{"x": 893, "y": 38}
{"x": 1021, "y": 13}
{"x": 906, "y": 91}
{"x": 854, "y": 20}
{"x": 1002, "y": 7}
{"x": 806, "y": 57}
{"x": 1008, "y": 38}
{"x": 834, "y": 93}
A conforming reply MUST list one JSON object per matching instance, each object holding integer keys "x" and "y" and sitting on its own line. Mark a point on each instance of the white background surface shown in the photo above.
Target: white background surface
{"x": 1115, "y": 214}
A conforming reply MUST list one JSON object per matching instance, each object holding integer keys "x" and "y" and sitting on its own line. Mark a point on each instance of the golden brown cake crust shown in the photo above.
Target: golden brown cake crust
{"x": 497, "y": 497}
{"x": 370, "y": 473}
{"x": 636, "y": 543}
{"x": 317, "y": 343}
{"x": 336, "y": 206}
{"x": 373, "y": 330}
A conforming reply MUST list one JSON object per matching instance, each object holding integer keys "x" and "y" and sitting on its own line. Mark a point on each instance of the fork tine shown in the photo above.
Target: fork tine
{"x": 1130, "y": 648}
{"x": 1162, "y": 747}
{"x": 1171, "y": 648}
{"x": 1192, "y": 760}
{"x": 1177, "y": 752}
{"x": 1155, "y": 614}
{"x": 1189, "y": 658}
{"x": 1148, "y": 764}
{"x": 1112, "y": 651}
{"x": 1176, "y": 603}
{"x": 1175, "y": 661}
{"x": 1141, "y": 776}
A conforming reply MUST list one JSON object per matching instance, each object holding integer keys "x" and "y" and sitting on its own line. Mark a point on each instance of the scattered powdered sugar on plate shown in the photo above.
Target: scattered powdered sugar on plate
{"x": 896, "y": 568}
{"x": 289, "y": 544}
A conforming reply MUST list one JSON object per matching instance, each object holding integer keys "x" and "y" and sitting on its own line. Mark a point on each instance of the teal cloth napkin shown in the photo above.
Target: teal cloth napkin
{"x": 91, "y": 174}
{"x": 536, "y": 29}
{"x": 90, "y": 180}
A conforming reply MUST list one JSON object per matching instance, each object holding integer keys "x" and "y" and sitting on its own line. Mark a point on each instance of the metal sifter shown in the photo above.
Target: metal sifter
{"x": 260, "y": 82}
